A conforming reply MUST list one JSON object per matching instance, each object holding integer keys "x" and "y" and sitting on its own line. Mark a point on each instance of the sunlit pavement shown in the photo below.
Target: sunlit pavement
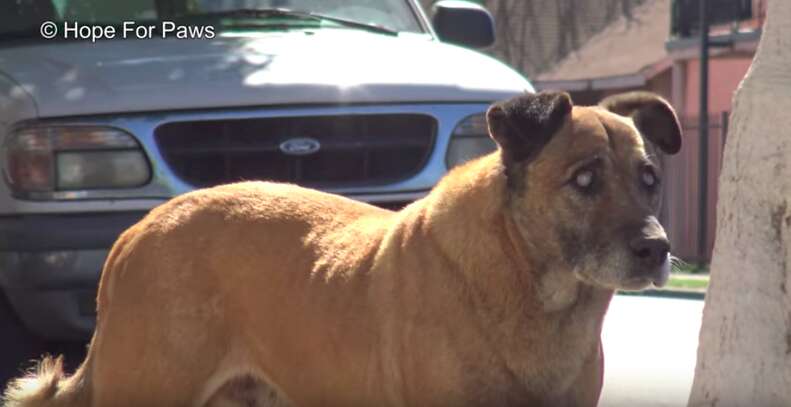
{"x": 650, "y": 347}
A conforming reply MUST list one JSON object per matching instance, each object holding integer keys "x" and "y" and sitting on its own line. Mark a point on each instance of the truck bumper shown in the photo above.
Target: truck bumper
{"x": 50, "y": 267}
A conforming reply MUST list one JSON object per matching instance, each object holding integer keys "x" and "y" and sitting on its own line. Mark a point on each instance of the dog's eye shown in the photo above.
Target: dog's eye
{"x": 649, "y": 178}
{"x": 584, "y": 178}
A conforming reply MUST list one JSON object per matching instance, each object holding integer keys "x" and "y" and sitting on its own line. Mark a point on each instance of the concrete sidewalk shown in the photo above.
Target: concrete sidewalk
{"x": 650, "y": 349}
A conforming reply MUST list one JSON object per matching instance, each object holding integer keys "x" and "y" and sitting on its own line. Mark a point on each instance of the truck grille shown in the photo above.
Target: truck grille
{"x": 355, "y": 150}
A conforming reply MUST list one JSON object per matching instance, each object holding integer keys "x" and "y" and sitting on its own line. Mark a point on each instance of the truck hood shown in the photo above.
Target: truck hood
{"x": 325, "y": 66}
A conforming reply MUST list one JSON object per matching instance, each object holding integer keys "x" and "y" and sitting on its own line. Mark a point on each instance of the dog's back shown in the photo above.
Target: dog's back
{"x": 221, "y": 267}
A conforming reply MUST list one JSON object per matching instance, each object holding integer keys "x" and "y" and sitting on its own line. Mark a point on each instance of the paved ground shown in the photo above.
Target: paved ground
{"x": 649, "y": 344}
{"x": 650, "y": 348}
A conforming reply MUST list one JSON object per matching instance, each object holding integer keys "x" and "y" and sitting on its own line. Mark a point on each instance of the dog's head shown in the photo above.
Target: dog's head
{"x": 584, "y": 183}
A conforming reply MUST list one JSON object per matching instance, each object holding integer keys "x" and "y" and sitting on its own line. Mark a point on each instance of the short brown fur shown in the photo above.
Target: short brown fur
{"x": 475, "y": 295}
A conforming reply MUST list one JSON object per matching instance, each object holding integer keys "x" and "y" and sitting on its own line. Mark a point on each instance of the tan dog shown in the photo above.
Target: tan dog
{"x": 488, "y": 292}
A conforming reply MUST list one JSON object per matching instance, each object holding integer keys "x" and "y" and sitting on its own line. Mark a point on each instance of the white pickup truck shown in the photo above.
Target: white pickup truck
{"x": 108, "y": 109}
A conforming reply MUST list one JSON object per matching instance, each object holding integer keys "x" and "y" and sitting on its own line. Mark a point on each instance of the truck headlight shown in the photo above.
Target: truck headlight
{"x": 67, "y": 158}
{"x": 470, "y": 139}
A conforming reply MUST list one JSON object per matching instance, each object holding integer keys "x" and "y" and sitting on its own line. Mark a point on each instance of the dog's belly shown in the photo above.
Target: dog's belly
{"x": 244, "y": 391}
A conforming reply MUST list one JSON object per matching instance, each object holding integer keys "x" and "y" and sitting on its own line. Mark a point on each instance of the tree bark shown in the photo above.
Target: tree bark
{"x": 744, "y": 356}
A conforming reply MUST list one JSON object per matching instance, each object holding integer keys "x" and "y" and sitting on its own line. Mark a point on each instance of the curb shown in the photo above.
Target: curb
{"x": 679, "y": 294}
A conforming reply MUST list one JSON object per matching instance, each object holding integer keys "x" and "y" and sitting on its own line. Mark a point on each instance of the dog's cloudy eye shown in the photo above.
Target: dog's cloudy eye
{"x": 584, "y": 178}
{"x": 649, "y": 178}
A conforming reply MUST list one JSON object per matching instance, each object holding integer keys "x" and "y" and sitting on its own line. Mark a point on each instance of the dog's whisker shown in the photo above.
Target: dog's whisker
{"x": 678, "y": 261}
{"x": 678, "y": 265}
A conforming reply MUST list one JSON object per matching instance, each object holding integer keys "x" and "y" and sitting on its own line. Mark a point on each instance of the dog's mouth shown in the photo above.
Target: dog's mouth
{"x": 661, "y": 275}
{"x": 637, "y": 277}
{"x": 657, "y": 276}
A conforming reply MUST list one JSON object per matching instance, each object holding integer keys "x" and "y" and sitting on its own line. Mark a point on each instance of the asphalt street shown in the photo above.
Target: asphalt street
{"x": 650, "y": 345}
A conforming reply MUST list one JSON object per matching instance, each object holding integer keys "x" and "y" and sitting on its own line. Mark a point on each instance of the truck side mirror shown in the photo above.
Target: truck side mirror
{"x": 463, "y": 23}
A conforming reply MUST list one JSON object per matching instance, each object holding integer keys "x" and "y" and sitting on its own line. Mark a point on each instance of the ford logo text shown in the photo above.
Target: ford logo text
{"x": 300, "y": 146}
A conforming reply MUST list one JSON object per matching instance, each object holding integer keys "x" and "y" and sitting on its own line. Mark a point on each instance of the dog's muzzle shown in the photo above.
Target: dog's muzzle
{"x": 651, "y": 251}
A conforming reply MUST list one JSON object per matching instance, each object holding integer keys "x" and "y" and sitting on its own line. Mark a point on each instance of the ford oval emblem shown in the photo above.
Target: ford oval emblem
{"x": 300, "y": 146}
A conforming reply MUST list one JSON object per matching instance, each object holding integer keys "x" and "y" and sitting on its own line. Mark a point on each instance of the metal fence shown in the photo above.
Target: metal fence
{"x": 682, "y": 195}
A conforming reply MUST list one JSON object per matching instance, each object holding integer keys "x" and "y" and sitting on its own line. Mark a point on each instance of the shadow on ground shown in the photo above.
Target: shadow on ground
{"x": 19, "y": 349}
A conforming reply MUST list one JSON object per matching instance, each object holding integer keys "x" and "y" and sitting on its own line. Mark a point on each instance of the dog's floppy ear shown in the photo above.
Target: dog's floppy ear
{"x": 521, "y": 126}
{"x": 652, "y": 115}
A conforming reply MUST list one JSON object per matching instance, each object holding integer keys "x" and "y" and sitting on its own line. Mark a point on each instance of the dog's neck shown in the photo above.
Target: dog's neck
{"x": 513, "y": 290}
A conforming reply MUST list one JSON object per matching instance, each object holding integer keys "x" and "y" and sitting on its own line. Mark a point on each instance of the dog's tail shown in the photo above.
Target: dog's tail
{"x": 47, "y": 386}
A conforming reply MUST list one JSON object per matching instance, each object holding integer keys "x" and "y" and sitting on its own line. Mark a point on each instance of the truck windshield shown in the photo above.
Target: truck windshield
{"x": 23, "y": 18}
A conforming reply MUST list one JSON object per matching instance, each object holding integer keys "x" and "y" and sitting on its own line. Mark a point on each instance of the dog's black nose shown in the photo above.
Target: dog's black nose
{"x": 652, "y": 251}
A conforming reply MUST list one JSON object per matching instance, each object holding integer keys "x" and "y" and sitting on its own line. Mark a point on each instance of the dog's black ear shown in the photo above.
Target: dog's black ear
{"x": 521, "y": 126}
{"x": 652, "y": 115}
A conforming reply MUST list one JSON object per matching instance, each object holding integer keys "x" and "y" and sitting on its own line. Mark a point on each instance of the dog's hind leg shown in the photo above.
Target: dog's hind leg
{"x": 246, "y": 391}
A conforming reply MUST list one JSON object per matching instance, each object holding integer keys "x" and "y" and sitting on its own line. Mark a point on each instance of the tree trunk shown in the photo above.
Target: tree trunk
{"x": 744, "y": 356}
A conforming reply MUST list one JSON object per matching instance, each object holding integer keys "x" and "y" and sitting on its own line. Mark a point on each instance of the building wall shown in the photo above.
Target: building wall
{"x": 662, "y": 84}
{"x": 682, "y": 196}
{"x": 725, "y": 74}
{"x": 683, "y": 171}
